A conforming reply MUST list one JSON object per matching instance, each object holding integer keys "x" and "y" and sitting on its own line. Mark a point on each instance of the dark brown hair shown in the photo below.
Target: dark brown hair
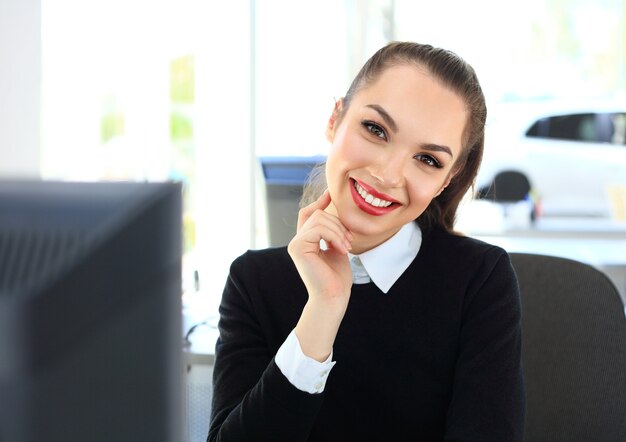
{"x": 453, "y": 72}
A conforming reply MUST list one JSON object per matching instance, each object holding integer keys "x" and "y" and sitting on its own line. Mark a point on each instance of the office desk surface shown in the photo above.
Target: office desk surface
{"x": 599, "y": 242}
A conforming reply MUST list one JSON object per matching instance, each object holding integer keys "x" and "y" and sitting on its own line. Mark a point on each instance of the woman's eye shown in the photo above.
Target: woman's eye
{"x": 375, "y": 130}
{"x": 428, "y": 160}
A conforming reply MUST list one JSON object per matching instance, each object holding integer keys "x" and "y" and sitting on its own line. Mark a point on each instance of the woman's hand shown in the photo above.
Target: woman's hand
{"x": 325, "y": 273}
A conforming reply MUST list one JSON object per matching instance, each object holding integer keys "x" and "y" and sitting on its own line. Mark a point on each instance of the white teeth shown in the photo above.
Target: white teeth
{"x": 370, "y": 199}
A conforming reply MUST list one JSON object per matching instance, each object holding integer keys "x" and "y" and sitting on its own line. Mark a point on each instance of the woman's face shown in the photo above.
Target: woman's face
{"x": 392, "y": 152}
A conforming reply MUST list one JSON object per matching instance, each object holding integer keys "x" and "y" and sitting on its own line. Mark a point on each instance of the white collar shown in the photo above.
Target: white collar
{"x": 385, "y": 263}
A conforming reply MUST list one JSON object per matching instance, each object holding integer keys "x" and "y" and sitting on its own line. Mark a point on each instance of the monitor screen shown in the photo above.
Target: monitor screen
{"x": 90, "y": 311}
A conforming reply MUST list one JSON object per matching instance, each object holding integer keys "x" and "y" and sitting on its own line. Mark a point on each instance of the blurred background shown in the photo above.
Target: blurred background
{"x": 204, "y": 92}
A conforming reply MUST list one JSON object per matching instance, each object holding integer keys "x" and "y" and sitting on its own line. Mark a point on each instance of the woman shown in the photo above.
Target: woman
{"x": 378, "y": 322}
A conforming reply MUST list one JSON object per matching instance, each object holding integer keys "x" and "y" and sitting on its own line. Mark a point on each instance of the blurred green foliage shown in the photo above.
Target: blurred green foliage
{"x": 181, "y": 126}
{"x": 182, "y": 86}
{"x": 112, "y": 119}
{"x": 182, "y": 160}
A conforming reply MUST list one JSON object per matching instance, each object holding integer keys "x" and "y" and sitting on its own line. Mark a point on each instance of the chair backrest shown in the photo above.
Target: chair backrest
{"x": 574, "y": 351}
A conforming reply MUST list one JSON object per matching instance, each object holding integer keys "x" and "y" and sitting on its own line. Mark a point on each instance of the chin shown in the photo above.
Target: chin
{"x": 366, "y": 227}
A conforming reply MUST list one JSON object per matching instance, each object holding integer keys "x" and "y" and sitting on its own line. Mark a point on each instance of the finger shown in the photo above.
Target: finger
{"x": 320, "y": 204}
{"x": 320, "y": 217}
{"x": 322, "y": 226}
{"x": 308, "y": 241}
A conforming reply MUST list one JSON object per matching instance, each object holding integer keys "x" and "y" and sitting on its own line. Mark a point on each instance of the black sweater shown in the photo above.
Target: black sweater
{"x": 436, "y": 358}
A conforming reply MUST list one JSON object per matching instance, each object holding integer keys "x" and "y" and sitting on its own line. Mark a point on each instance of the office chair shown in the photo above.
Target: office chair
{"x": 574, "y": 351}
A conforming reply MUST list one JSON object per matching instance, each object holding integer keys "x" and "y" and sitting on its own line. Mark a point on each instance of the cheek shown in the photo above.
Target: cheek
{"x": 347, "y": 152}
{"x": 423, "y": 188}
{"x": 421, "y": 196}
{"x": 350, "y": 147}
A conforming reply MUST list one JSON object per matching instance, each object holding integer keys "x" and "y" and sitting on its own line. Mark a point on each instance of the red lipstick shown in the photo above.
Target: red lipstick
{"x": 368, "y": 208}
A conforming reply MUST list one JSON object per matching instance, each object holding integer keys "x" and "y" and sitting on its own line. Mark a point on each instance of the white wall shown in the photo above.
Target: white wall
{"x": 20, "y": 74}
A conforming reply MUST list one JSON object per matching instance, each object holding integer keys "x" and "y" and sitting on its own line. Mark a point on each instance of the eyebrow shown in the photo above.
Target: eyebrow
{"x": 437, "y": 148}
{"x": 394, "y": 127}
{"x": 385, "y": 116}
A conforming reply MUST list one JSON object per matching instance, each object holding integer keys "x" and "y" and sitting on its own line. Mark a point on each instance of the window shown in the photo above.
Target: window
{"x": 589, "y": 127}
{"x": 151, "y": 91}
{"x": 576, "y": 127}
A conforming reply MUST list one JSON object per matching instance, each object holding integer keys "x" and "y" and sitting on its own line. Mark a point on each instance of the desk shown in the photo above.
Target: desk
{"x": 202, "y": 348}
{"x": 200, "y": 316}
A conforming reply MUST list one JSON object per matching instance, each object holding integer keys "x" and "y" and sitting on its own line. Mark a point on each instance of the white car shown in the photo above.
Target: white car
{"x": 573, "y": 154}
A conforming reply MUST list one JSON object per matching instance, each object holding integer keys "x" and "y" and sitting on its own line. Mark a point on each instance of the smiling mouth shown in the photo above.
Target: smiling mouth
{"x": 371, "y": 199}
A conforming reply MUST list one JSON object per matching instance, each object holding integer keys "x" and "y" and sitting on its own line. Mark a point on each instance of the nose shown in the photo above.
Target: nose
{"x": 389, "y": 170}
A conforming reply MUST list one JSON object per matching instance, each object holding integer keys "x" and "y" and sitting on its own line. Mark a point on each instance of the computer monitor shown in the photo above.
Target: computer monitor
{"x": 90, "y": 311}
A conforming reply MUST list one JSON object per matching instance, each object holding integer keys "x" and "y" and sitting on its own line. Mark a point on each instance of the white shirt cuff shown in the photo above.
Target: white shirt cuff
{"x": 304, "y": 373}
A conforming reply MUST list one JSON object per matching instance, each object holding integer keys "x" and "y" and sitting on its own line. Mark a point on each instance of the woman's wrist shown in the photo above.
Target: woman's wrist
{"x": 318, "y": 326}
